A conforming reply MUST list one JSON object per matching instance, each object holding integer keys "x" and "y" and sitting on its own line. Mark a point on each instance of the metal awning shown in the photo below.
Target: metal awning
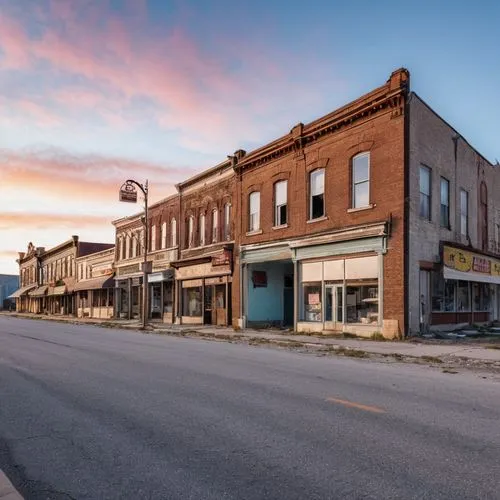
{"x": 167, "y": 275}
{"x": 105, "y": 281}
{"x": 39, "y": 292}
{"x": 22, "y": 291}
{"x": 57, "y": 290}
{"x": 453, "y": 274}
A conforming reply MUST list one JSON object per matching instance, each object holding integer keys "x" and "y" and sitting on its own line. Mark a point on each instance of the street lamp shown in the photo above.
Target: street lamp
{"x": 128, "y": 193}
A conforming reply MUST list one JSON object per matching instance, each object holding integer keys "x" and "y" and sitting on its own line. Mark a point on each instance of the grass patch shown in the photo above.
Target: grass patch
{"x": 497, "y": 347}
{"x": 378, "y": 337}
{"x": 447, "y": 370}
{"x": 431, "y": 359}
{"x": 350, "y": 353}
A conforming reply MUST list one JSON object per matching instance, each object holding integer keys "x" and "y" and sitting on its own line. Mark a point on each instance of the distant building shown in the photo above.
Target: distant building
{"x": 9, "y": 283}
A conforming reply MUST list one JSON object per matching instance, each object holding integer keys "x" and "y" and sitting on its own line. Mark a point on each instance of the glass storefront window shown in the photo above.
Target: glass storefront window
{"x": 449, "y": 295}
{"x": 312, "y": 302}
{"x": 481, "y": 296}
{"x": 463, "y": 296}
{"x": 362, "y": 303}
{"x": 192, "y": 301}
{"x": 168, "y": 297}
{"x": 437, "y": 292}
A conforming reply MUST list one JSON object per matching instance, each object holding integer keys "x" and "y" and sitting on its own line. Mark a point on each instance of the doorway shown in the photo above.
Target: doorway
{"x": 208, "y": 305}
{"x": 334, "y": 307}
{"x": 424, "y": 300}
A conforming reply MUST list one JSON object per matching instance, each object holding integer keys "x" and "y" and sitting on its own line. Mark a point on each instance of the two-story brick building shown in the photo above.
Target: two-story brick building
{"x": 322, "y": 221}
{"x": 29, "y": 277}
{"x": 453, "y": 274}
{"x": 162, "y": 242}
{"x": 203, "y": 272}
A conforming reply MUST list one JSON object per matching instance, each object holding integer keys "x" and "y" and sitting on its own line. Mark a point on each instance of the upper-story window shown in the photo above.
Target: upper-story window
{"x": 173, "y": 232}
{"x": 202, "y": 229}
{"x": 164, "y": 235}
{"x": 464, "y": 212}
{"x": 361, "y": 180}
{"x": 215, "y": 225}
{"x": 425, "y": 192}
{"x": 254, "y": 211}
{"x": 317, "y": 194}
{"x": 227, "y": 221}
{"x": 445, "y": 203}
{"x": 190, "y": 232}
{"x": 122, "y": 246}
{"x": 483, "y": 215}
{"x": 280, "y": 203}
{"x": 153, "y": 238}
{"x": 135, "y": 244}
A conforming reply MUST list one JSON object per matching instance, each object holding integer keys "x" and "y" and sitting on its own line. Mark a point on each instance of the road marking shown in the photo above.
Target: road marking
{"x": 359, "y": 406}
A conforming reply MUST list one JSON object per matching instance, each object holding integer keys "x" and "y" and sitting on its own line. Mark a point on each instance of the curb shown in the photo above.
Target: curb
{"x": 7, "y": 491}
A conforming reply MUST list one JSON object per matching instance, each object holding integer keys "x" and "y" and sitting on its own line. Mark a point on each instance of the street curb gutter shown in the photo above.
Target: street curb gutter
{"x": 7, "y": 491}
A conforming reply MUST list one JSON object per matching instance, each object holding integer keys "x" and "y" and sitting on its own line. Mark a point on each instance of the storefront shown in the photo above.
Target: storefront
{"x": 335, "y": 282}
{"x": 22, "y": 298}
{"x": 465, "y": 289}
{"x": 95, "y": 297}
{"x": 59, "y": 300}
{"x": 204, "y": 289}
{"x": 161, "y": 295}
{"x": 39, "y": 299}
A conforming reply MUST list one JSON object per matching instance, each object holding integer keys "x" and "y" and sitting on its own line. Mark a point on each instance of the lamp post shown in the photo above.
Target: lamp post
{"x": 128, "y": 193}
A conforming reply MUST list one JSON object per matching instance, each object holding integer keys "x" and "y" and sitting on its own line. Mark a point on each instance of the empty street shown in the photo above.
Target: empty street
{"x": 93, "y": 413}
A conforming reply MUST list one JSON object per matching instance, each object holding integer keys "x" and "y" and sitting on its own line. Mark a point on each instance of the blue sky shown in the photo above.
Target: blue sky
{"x": 94, "y": 92}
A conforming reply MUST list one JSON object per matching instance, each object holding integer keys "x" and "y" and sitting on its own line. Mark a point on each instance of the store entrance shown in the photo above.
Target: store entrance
{"x": 334, "y": 309}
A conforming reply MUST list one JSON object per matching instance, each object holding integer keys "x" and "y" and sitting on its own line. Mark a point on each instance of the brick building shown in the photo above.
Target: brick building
{"x": 454, "y": 226}
{"x": 203, "y": 272}
{"x": 326, "y": 251}
{"x": 48, "y": 277}
{"x": 29, "y": 275}
{"x": 94, "y": 288}
{"x": 162, "y": 250}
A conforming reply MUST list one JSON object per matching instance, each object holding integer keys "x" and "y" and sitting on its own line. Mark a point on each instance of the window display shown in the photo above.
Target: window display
{"x": 312, "y": 302}
{"x": 192, "y": 301}
{"x": 362, "y": 304}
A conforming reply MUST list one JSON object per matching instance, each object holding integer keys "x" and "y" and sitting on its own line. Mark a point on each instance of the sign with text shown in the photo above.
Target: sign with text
{"x": 128, "y": 193}
{"x": 469, "y": 262}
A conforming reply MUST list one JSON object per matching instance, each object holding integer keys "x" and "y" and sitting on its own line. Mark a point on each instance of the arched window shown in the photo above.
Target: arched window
{"x": 227, "y": 221}
{"x": 202, "y": 230}
{"x": 215, "y": 225}
{"x": 164, "y": 235}
{"x": 173, "y": 232}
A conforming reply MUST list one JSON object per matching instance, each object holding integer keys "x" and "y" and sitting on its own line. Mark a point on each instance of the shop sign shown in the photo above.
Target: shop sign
{"x": 259, "y": 279}
{"x": 130, "y": 269}
{"x": 465, "y": 262}
{"x": 313, "y": 299}
{"x": 223, "y": 259}
{"x": 128, "y": 193}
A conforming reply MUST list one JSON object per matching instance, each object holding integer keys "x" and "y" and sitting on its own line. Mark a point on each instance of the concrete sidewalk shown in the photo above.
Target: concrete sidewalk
{"x": 489, "y": 353}
{"x": 7, "y": 491}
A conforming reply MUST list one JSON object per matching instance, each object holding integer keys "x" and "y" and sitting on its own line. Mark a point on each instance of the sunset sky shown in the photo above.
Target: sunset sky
{"x": 93, "y": 92}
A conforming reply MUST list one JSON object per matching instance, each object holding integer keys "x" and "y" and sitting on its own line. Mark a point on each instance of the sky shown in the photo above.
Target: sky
{"x": 93, "y": 92}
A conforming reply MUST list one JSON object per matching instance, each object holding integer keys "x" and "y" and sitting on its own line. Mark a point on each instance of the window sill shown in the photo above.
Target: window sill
{"x": 318, "y": 219}
{"x": 360, "y": 209}
{"x": 282, "y": 226}
{"x": 254, "y": 233}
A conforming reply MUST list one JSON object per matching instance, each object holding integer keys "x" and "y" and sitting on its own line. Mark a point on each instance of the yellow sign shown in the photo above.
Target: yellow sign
{"x": 465, "y": 261}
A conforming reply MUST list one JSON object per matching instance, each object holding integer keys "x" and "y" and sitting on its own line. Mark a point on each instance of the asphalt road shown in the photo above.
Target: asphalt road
{"x": 93, "y": 413}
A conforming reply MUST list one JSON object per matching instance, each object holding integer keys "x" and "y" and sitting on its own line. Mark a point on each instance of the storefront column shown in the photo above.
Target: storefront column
{"x": 381, "y": 291}
{"x": 295, "y": 294}
{"x": 129, "y": 298}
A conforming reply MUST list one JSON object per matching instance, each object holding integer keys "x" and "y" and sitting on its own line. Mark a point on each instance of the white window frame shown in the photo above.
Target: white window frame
{"x": 446, "y": 182}
{"x": 364, "y": 181}
{"x": 279, "y": 203}
{"x": 313, "y": 174}
{"x": 425, "y": 168}
{"x": 254, "y": 211}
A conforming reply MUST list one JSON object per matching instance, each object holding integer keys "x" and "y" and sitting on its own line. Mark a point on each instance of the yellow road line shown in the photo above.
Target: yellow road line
{"x": 359, "y": 406}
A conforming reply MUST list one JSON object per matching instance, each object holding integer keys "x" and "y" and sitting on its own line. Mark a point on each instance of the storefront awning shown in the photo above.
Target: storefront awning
{"x": 167, "y": 275}
{"x": 22, "y": 291}
{"x": 57, "y": 290}
{"x": 105, "y": 281}
{"x": 453, "y": 274}
{"x": 39, "y": 292}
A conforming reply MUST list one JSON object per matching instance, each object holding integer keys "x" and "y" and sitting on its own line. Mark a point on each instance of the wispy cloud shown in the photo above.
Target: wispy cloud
{"x": 50, "y": 220}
